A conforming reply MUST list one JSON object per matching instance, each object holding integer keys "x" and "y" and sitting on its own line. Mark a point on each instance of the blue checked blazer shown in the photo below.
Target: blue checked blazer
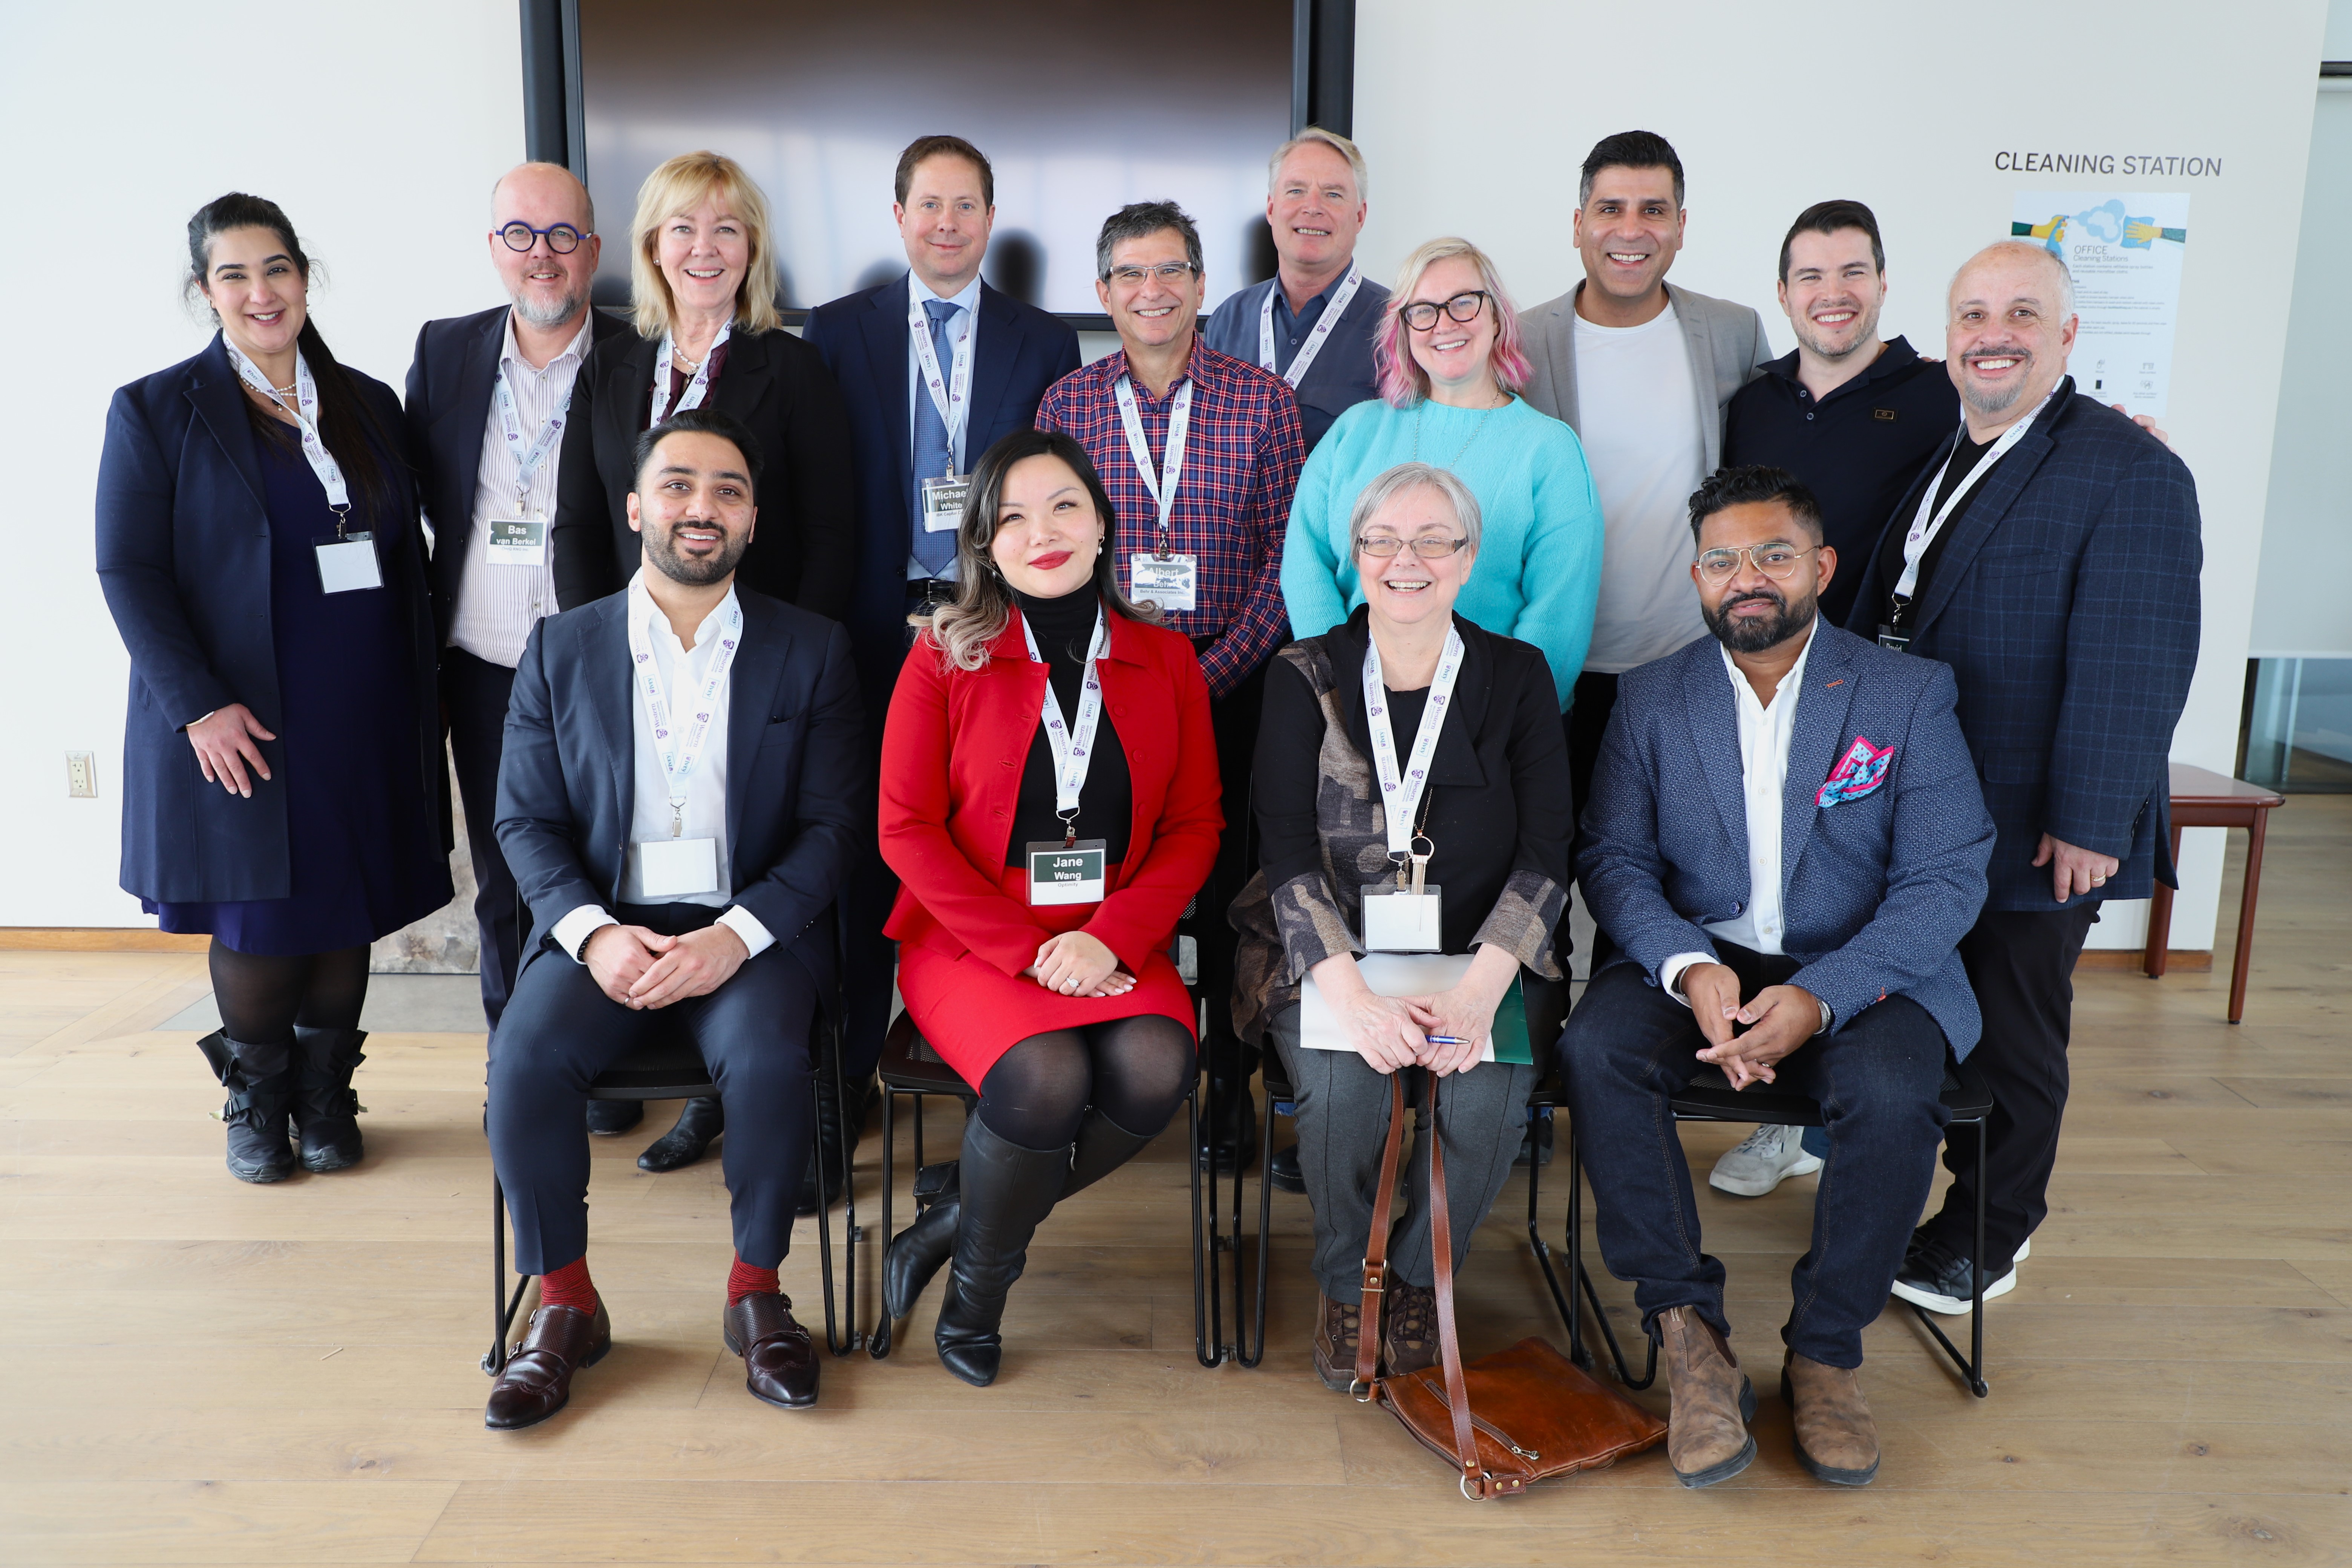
{"x": 2066, "y": 604}
{"x": 1876, "y": 891}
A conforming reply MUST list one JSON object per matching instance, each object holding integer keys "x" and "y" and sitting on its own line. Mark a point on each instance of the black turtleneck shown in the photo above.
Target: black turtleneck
{"x": 1064, "y": 628}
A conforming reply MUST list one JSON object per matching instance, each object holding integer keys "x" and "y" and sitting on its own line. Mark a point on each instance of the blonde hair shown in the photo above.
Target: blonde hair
{"x": 1316, "y": 134}
{"x": 680, "y": 185}
{"x": 1403, "y": 381}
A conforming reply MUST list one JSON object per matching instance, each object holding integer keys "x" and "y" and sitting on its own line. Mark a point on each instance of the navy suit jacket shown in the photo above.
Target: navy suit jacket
{"x": 448, "y": 409}
{"x": 862, "y": 337}
{"x": 1876, "y": 891}
{"x": 183, "y": 561}
{"x": 799, "y": 797}
{"x": 2066, "y": 604}
{"x": 1343, "y": 374}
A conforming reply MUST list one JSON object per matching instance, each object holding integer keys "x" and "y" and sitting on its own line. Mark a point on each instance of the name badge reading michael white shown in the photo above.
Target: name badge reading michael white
{"x": 1172, "y": 581}
{"x": 673, "y": 867}
{"x": 516, "y": 541}
{"x": 348, "y": 563}
{"x": 1071, "y": 874}
{"x": 944, "y": 503}
{"x": 1401, "y": 922}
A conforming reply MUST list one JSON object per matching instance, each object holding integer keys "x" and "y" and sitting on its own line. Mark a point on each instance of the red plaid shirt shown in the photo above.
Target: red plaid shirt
{"x": 1243, "y": 450}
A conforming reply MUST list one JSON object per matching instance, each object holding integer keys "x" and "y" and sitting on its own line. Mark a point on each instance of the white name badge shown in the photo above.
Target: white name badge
{"x": 944, "y": 503}
{"x": 673, "y": 867}
{"x": 1401, "y": 922}
{"x": 1066, "y": 876}
{"x": 1172, "y": 581}
{"x": 516, "y": 541}
{"x": 349, "y": 564}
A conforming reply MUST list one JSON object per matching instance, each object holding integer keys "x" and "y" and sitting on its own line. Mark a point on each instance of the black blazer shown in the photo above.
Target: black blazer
{"x": 448, "y": 408}
{"x": 183, "y": 561}
{"x": 805, "y": 548}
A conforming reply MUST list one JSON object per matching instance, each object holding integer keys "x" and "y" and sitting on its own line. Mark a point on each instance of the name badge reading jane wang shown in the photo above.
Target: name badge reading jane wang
{"x": 673, "y": 867}
{"x": 1401, "y": 922}
{"x": 1172, "y": 581}
{"x": 1071, "y": 875}
{"x": 944, "y": 503}
{"x": 348, "y": 563}
{"x": 516, "y": 541}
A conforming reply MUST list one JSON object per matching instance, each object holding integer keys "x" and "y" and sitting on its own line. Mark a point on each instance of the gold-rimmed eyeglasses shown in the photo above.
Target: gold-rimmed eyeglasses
{"x": 1778, "y": 561}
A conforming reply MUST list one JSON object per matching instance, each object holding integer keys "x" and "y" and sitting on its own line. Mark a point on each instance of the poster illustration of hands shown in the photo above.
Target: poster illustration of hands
{"x": 2124, "y": 252}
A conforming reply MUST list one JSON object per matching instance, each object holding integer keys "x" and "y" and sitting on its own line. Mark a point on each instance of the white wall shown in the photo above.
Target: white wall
{"x": 1905, "y": 108}
{"x": 378, "y": 127}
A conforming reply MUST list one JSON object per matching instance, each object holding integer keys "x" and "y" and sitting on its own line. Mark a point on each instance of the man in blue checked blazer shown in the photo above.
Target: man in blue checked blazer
{"x": 1786, "y": 841}
{"x": 2049, "y": 555}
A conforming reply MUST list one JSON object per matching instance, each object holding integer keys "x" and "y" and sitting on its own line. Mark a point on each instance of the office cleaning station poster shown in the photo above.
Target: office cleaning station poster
{"x": 2124, "y": 252}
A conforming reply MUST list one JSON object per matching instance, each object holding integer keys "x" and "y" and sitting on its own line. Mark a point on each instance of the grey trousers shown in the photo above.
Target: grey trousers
{"x": 1343, "y": 1122}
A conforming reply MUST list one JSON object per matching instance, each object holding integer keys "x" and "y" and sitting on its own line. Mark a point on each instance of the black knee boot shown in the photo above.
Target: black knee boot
{"x": 918, "y": 1252}
{"x": 1103, "y": 1146}
{"x": 1006, "y": 1191}
{"x": 326, "y": 1112}
{"x": 261, "y": 1081}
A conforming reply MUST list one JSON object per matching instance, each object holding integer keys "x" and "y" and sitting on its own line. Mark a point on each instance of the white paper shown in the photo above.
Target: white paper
{"x": 673, "y": 867}
{"x": 1388, "y": 975}
{"x": 2124, "y": 251}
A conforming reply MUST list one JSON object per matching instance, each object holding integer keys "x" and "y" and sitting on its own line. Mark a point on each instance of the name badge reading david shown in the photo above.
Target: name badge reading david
{"x": 516, "y": 542}
{"x": 1172, "y": 581}
{"x": 944, "y": 503}
{"x": 1071, "y": 874}
{"x": 1401, "y": 922}
{"x": 348, "y": 563}
{"x": 673, "y": 867}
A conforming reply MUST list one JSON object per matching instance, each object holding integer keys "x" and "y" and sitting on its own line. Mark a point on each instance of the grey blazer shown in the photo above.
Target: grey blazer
{"x": 1728, "y": 350}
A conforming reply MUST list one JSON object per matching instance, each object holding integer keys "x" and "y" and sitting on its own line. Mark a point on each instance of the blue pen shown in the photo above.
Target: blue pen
{"x": 1445, "y": 1039}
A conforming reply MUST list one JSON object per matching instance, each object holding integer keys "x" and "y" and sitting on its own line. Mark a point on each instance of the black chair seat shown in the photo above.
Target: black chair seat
{"x": 909, "y": 1065}
{"x": 668, "y": 1069}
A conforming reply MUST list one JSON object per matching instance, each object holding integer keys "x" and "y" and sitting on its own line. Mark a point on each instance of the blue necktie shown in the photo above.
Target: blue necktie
{"x": 935, "y": 551}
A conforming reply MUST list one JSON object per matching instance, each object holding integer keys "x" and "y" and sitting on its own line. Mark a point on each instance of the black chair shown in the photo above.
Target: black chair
{"x": 1711, "y": 1098}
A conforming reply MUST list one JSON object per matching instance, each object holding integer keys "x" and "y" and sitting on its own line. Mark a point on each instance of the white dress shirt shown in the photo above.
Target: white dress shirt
{"x": 967, "y": 305}
{"x": 498, "y": 605}
{"x": 1765, "y": 731}
{"x": 683, "y": 671}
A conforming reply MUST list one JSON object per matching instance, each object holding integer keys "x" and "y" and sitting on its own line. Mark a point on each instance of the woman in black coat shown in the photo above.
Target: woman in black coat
{"x": 258, "y": 547}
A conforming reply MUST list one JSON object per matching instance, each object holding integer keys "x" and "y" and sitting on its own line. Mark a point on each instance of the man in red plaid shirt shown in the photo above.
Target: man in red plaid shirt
{"x": 1199, "y": 533}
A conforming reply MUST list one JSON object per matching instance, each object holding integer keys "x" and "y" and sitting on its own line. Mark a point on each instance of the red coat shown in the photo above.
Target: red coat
{"x": 953, "y": 748}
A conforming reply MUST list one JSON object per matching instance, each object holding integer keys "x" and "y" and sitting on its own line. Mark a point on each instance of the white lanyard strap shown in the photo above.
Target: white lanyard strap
{"x": 951, "y": 393}
{"x": 306, "y": 416}
{"x": 1072, "y": 746}
{"x": 1925, "y": 527}
{"x": 528, "y": 458}
{"x": 679, "y": 746}
{"x": 1161, "y": 487}
{"x": 695, "y": 389}
{"x": 1400, "y": 793}
{"x": 1335, "y": 308}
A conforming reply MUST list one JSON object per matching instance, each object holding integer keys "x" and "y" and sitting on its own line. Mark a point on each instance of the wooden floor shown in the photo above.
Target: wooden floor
{"x": 195, "y": 1370}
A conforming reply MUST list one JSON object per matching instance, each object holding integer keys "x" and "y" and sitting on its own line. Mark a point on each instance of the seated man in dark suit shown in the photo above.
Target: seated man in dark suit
{"x": 681, "y": 800}
{"x": 1787, "y": 841}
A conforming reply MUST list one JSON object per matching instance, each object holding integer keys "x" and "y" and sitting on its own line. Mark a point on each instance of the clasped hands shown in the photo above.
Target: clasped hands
{"x": 1778, "y": 1020}
{"x": 1077, "y": 964}
{"x": 1393, "y": 1032}
{"x": 640, "y": 968}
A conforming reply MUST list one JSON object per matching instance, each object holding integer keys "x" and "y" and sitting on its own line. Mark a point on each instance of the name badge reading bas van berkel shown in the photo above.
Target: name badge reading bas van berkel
{"x": 1071, "y": 874}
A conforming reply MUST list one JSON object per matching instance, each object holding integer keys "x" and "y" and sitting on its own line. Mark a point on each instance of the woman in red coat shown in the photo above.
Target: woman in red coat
{"x": 1050, "y": 803}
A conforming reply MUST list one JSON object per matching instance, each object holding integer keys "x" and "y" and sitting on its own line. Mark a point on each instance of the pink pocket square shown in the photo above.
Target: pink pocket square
{"x": 1862, "y": 770}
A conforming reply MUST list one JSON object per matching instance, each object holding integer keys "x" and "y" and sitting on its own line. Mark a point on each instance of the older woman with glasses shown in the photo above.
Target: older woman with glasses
{"x": 1451, "y": 366}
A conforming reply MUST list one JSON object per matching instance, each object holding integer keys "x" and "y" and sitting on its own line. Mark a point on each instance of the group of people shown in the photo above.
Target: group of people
{"x": 782, "y": 673}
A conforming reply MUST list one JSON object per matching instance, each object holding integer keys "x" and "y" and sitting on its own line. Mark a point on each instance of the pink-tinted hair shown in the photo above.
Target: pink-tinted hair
{"x": 1403, "y": 381}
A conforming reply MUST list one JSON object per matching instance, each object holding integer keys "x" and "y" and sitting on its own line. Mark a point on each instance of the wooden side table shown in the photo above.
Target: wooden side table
{"x": 2202, "y": 798}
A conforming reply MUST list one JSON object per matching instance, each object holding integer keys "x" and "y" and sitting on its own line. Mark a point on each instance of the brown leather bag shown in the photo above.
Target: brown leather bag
{"x": 1519, "y": 1415}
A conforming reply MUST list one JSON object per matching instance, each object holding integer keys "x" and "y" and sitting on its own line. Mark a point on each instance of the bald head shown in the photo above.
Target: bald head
{"x": 2010, "y": 328}
{"x": 2011, "y": 254}
{"x": 548, "y": 285}
{"x": 542, "y": 187}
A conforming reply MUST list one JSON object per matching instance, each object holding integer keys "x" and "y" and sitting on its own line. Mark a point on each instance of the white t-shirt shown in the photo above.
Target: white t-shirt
{"x": 1637, "y": 415}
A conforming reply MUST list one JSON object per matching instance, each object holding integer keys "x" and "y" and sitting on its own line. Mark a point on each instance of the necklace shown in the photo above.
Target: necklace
{"x": 1476, "y": 430}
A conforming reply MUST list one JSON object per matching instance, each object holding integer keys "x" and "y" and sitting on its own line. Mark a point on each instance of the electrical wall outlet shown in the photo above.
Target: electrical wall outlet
{"x": 82, "y": 775}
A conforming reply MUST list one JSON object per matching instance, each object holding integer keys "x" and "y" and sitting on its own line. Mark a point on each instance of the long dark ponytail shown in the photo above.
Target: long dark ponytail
{"x": 345, "y": 420}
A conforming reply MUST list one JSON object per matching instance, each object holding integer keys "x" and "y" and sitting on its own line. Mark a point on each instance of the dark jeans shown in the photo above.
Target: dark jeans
{"x": 1234, "y": 719}
{"x": 2021, "y": 964}
{"x": 1878, "y": 1078}
{"x": 560, "y": 1030}
{"x": 474, "y": 694}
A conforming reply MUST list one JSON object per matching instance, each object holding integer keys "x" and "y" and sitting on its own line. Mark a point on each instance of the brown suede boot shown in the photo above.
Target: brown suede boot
{"x": 1338, "y": 1334}
{"x": 1836, "y": 1438}
{"x": 1408, "y": 1330}
{"x": 1712, "y": 1401}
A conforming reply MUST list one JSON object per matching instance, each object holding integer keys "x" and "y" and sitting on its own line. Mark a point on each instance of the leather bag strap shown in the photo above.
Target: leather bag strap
{"x": 1449, "y": 1344}
{"x": 1376, "y": 1251}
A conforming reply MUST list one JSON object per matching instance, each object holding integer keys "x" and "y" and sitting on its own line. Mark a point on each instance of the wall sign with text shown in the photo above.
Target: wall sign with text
{"x": 2124, "y": 251}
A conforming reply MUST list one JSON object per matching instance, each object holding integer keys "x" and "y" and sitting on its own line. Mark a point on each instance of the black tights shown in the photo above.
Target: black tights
{"x": 1134, "y": 1070}
{"x": 263, "y": 995}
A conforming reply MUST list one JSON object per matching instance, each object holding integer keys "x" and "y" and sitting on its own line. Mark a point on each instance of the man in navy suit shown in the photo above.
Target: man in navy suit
{"x": 1785, "y": 843}
{"x": 2049, "y": 554}
{"x": 682, "y": 798}
{"x": 918, "y": 420}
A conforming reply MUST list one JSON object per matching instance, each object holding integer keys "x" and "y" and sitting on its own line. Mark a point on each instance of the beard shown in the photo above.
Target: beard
{"x": 1755, "y": 633}
{"x": 1863, "y": 328}
{"x": 660, "y": 550}
{"x": 546, "y": 314}
{"x": 1981, "y": 400}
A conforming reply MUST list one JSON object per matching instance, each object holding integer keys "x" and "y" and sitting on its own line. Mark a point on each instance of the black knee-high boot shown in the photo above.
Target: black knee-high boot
{"x": 260, "y": 1080}
{"x": 1103, "y": 1146}
{"x": 326, "y": 1112}
{"x": 1006, "y": 1191}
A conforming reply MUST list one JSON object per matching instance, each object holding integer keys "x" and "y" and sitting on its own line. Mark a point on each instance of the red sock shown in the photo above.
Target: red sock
{"x": 745, "y": 1281}
{"x": 568, "y": 1286}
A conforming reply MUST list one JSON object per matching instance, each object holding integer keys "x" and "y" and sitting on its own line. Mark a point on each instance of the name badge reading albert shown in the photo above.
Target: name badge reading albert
{"x": 348, "y": 563}
{"x": 516, "y": 541}
{"x": 1396, "y": 921}
{"x": 673, "y": 867}
{"x": 1172, "y": 581}
{"x": 943, "y": 503}
{"x": 1071, "y": 874}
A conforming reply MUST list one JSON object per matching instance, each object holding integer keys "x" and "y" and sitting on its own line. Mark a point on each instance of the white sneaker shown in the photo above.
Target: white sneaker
{"x": 1763, "y": 1159}
{"x": 1935, "y": 1279}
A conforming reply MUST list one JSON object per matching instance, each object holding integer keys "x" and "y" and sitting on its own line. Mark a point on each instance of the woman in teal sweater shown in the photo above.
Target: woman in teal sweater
{"x": 1450, "y": 365}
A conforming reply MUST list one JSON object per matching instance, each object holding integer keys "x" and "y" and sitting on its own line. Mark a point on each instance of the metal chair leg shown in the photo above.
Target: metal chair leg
{"x": 1203, "y": 1248}
{"x": 1583, "y": 1277}
{"x": 834, "y": 1340}
{"x": 878, "y": 1343}
{"x": 1971, "y": 1367}
{"x": 503, "y": 1307}
{"x": 1243, "y": 1352}
{"x": 1564, "y": 1302}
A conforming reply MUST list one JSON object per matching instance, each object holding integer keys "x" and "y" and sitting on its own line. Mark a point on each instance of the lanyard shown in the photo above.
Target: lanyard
{"x": 1332, "y": 310}
{"x": 510, "y": 422}
{"x": 1073, "y": 749}
{"x": 952, "y": 395}
{"x": 1401, "y": 793}
{"x": 1925, "y": 528}
{"x": 677, "y": 749}
{"x": 306, "y": 416}
{"x": 1179, "y": 419}
{"x": 695, "y": 389}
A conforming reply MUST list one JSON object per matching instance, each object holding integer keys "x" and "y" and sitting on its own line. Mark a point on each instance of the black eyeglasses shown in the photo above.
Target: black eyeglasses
{"x": 1420, "y": 315}
{"x": 561, "y": 238}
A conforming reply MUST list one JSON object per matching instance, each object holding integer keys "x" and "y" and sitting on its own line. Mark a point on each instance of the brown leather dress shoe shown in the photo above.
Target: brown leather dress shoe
{"x": 779, "y": 1358}
{"x": 1837, "y": 1440}
{"x": 1408, "y": 1330}
{"x": 1712, "y": 1401}
{"x": 1338, "y": 1334}
{"x": 537, "y": 1382}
